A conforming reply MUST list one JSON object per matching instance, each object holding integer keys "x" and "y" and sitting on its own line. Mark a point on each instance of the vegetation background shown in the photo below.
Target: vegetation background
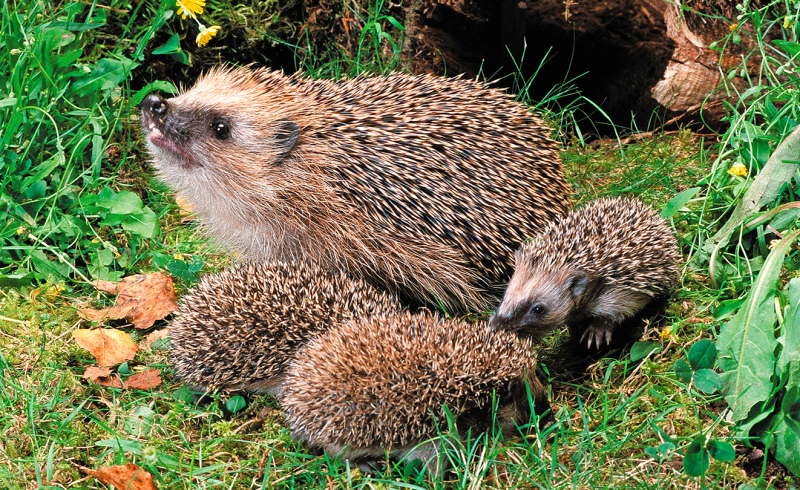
{"x": 710, "y": 397}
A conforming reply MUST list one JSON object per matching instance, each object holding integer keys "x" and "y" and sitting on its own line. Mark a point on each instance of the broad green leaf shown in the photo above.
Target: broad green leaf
{"x": 702, "y": 354}
{"x": 235, "y": 404}
{"x": 787, "y": 431}
{"x": 642, "y": 349}
{"x": 747, "y": 342}
{"x": 16, "y": 280}
{"x": 696, "y": 461}
{"x": 721, "y": 451}
{"x": 173, "y": 45}
{"x": 144, "y": 223}
{"x": 707, "y": 381}
{"x": 106, "y": 76}
{"x": 788, "y": 366}
{"x": 678, "y": 202}
{"x": 683, "y": 371}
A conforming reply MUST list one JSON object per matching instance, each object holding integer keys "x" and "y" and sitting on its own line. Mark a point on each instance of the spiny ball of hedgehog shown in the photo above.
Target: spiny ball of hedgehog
{"x": 592, "y": 270}
{"x": 378, "y": 384}
{"x": 240, "y": 328}
{"x": 424, "y": 185}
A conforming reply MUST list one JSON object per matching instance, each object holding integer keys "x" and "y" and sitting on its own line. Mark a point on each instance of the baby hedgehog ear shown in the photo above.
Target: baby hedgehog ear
{"x": 577, "y": 283}
{"x": 286, "y": 136}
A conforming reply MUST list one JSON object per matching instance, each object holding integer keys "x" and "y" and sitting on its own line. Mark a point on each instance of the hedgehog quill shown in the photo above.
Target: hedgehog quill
{"x": 373, "y": 386}
{"x": 423, "y": 185}
{"x": 240, "y": 328}
{"x": 593, "y": 270}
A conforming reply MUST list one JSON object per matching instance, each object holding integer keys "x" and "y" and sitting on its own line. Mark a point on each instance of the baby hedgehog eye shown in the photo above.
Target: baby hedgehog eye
{"x": 538, "y": 309}
{"x": 220, "y": 129}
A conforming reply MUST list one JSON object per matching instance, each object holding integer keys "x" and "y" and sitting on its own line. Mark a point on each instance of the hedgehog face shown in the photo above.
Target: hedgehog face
{"x": 220, "y": 133}
{"x": 537, "y": 302}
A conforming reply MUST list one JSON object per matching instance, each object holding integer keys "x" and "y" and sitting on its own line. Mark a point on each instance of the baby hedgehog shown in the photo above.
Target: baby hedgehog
{"x": 423, "y": 185}
{"x": 240, "y": 328}
{"x": 378, "y": 385}
{"x": 591, "y": 270}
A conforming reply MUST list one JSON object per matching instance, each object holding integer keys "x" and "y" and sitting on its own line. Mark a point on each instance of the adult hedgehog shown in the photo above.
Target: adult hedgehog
{"x": 423, "y": 185}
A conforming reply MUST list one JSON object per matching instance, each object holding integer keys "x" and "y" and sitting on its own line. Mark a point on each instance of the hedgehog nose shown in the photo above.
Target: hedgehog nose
{"x": 154, "y": 105}
{"x": 498, "y": 321}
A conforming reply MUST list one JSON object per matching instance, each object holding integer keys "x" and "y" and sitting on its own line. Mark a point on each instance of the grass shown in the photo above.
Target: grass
{"x": 619, "y": 422}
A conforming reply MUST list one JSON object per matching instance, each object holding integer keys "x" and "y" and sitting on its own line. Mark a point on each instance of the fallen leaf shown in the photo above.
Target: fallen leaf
{"x": 123, "y": 477}
{"x": 146, "y": 380}
{"x": 185, "y": 207}
{"x": 107, "y": 345}
{"x": 147, "y": 343}
{"x": 102, "y": 376}
{"x": 142, "y": 299}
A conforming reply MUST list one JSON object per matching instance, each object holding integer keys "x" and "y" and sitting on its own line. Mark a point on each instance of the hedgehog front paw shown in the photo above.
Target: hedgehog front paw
{"x": 598, "y": 334}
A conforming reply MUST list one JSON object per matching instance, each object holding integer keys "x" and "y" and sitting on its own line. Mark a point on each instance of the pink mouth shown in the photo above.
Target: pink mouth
{"x": 158, "y": 139}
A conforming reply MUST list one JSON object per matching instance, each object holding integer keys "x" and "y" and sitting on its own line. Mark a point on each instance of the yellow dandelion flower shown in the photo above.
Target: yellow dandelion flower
{"x": 190, "y": 7}
{"x": 733, "y": 27}
{"x": 738, "y": 169}
{"x": 20, "y": 230}
{"x": 788, "y": 21}
{"x": 206, "y": 35}
{"x": 178, "y": 257}
{"x": 773, "y": 243}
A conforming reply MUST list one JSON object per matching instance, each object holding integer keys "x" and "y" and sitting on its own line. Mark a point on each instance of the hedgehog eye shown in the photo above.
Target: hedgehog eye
{"x": 537, "y": 309}
{"x": 221, "y": 129}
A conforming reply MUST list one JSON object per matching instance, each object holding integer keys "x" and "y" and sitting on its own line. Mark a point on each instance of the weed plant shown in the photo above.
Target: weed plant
{"x": 75, "y": 207}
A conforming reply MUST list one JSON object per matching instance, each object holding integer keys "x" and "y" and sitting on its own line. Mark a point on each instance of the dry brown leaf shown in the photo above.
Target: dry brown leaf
{"x": 107, "y": 345}
{"x": 147, "y": 343}
{"x": 103, "y": 377}
{"x": 142, "y": 300}
{"x": 146, "y": 380}
{"x": 123, "y": 477}
{"x": 185, "y": 207}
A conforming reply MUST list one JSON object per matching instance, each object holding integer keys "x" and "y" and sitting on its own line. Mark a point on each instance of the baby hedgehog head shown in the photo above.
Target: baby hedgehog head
{"x": 379, "y": 384}
{"x": 240, "y": 328}
{"x": 593, "y": 270}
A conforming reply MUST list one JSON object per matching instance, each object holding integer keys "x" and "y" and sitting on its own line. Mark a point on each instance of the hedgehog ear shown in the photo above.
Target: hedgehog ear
{"x": 286, "y": 136}
{"x": 577, "y": 283}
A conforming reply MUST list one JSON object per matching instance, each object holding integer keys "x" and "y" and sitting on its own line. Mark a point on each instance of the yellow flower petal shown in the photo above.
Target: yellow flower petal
{"x": 206, "y": 35}
{"x": 788, "y": 22}
{"x": 732, "y": 27}
{"x": 190, "y": 7}
{"x": 738, "y": 169}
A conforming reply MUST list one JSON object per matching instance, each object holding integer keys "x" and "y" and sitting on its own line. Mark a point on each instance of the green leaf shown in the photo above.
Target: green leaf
{"x": 139, "y": 96}
{"x": 696, "y": 461}
{"x": 235, "y": 404}
{"x": 182, "y": 271}
{"x": 642, "y": 349}
{"x": 173, "y": 45}
{"x": 788, "y": 364}
{"x": 683, "y": 371}
{"x": 707, "y": 381}
{"x": 747, "y": 342}
{"x": 139, "y": 421}
{"x": 702, "y": 354}
{"x": 764, "y": 189}
{"x": 789, "y": 47}
{"x": 144, "y": 224}
{"x": 787, "y": 431}
{"x": 678, "y": 202}
{"x": 16, "y": 280}
{"x": 106, "y": 76}
{"x": 721, "y": 451}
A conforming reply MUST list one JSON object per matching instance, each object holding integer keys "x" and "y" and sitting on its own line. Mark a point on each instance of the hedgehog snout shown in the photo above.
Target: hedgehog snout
{"x": 154, "y": 105}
